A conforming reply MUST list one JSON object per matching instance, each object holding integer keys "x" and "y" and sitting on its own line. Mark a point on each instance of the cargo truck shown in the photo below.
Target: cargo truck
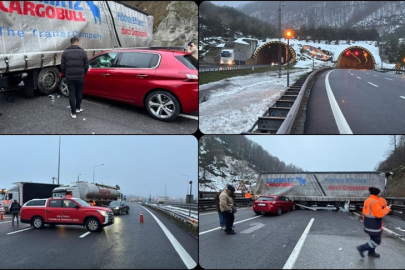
{"x": 322, "y": 188}
{"x": 98, "y": 193}
{"x": 25, "y": 191}
{"x": 34, "y": 34}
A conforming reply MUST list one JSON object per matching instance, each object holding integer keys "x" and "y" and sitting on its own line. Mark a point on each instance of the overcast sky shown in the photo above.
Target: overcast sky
{"x": 230, "y": 3}
{"x": 327, "y": 153}
{"x": 135, "y": 163}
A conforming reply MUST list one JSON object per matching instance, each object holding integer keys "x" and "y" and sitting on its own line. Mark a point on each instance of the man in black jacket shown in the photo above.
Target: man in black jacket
{"x": 74, "y": 66}
{"x": 15, "y": 210}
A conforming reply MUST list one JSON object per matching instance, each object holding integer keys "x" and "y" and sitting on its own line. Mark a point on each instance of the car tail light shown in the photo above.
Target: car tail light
{"x": 191, "y": 78}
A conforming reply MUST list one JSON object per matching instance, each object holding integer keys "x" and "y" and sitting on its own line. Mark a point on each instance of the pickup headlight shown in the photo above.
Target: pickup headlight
{"x": 102, "y": 212}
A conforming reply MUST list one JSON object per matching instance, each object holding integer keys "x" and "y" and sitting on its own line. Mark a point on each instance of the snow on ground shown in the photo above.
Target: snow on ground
{"x": 236, "y": 103}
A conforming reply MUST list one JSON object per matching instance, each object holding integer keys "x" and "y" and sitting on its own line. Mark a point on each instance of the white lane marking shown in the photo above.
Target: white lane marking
{"x": 189, "y": 116}
{"x": 387, "y": 230}
{"x": 372, "y": 84}
{"x": 208, "y": 214}
{"x": 296, "y": 252}
{"x": 20, "y": 231}
{"x": 341, "y": 122}
{"x": 84, "y": 235}
{"x": 185, "y": 257}
{"x": 358, "y": 78}
{"x": 402, "y": 97}
{"x": 399, "y": 229}
{"x": 351, "y": 74}
{"x": 233, "y": 223}
{"x": 5, "y": 222}
{"x": 255, "y": 227}
{"x": 389, "y": 79}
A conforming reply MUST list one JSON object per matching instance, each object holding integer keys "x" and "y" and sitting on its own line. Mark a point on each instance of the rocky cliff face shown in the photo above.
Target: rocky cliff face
{"x": 179, "y": 26}
{"x": 175, "y": 22}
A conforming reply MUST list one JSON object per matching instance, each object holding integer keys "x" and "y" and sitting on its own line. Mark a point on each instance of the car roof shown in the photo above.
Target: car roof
{"x": 163, "y": 51}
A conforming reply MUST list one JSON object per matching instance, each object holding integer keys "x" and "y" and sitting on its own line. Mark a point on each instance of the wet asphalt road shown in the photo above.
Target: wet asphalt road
{"x": 41, "y": 115}
{"x": 127, "y": 244}
{"x": 267, "y": 242}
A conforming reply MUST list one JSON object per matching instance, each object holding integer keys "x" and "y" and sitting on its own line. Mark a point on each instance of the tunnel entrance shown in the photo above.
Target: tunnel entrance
{"x": 267, "y": 54}
{"x": 356, "y": 57}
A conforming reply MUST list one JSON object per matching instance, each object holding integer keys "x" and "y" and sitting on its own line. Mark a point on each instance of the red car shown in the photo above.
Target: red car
{"x": 65, "y": 211}
{"x": 164, "y": 82}
{"x": 273, "y": 204}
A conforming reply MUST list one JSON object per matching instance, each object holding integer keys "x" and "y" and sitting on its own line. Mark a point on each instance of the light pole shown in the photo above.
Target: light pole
{"x": 149, "y": 193}
{"x": 288, "y": 34}
{"x": 94, "y": 170}
{"x": 78, "y": 177}
{"x": 165, "y": 188}
{"x": 102, "y": 182}
{"x": 279, "y": 38}
{"x": 382, "y": 40}
{"x": 59, "y": 160}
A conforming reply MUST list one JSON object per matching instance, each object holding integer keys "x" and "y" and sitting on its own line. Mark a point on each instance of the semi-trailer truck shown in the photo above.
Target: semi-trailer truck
{"x": 34, "y": 34}
{"x": 322, "y": 188}
{"x": 25, "y": 191}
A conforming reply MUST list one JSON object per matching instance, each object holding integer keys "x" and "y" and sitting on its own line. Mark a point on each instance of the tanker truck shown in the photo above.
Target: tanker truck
{"x": 97, "y": 193}
{"x": 322, "y": 188}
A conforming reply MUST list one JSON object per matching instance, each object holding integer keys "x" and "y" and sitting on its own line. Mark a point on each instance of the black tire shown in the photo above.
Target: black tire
{"x": 279, "y": 211}
{"x": 48, "y": 80}
{"x": 37, "y": 222}
{"x": 128, "y": 211}
{"x": 93, "y": 225}
{"x": 170, "y": 102}
{"x": 258, "y": 213}
{"x": 63, "y": 89}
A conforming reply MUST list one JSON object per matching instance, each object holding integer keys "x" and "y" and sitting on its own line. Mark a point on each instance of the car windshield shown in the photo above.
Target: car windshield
{"x": 188, "y": 60}
{"x": 115, "y": 203}
{"x": 82, "y": 203}
{"x": 265, "y": 199}
{"x": 226, "y": 54}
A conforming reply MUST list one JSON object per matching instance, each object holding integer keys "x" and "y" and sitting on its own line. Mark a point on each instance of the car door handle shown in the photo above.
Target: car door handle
{"x": 141, "y": 76}
{"x": 104, "y": 75}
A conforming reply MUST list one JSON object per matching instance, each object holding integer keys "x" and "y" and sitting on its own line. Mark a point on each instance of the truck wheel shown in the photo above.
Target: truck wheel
{"x": 279, "y": 211}
{"x": 162, "y": 105}
{"x": 37, "y": 222}
{"x": 93, "y": 225}
{"x": 63, "y": 88}
{"x": 48, "y": 80}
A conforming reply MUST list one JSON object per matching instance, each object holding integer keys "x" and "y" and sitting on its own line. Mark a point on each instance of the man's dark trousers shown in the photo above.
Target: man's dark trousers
{"x": 75, "y": 94}
{"x": 229, "y": 219}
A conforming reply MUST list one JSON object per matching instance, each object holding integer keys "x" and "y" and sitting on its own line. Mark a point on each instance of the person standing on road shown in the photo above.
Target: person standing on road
{"x": 221, "y": 217}
{"x": 248, "y": 198}
{"x": 192, "y": 49}
{"x": 226, "y": 203}
{"x": 74, "y": 66}
{"x": 373, "y": 213}
{"x": 15, "y": 211}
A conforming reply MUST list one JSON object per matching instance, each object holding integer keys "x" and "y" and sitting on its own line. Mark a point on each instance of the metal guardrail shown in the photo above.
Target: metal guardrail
{"x": 399, "y": 71}
{"x": 184, "y": 217}
{"x": 224, "y": 68}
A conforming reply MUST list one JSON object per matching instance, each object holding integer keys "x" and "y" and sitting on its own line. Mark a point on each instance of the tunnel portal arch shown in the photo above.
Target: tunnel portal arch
{"x": 267, "y": 54}
{"x": 356, "y": 57}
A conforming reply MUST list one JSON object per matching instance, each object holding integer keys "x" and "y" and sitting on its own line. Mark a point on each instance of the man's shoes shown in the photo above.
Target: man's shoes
{"x": 79, "y": 110}
{"x": 375, "y": 255}
{"x": 231, "y": 232}
{"x": 360, "y": 251}
{"x": 223, "y": 228}
{"x": 73, "y": 115}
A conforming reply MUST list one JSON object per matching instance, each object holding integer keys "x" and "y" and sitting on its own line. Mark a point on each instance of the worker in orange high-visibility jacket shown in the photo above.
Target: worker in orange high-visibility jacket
{"x": 248, "y": 198}
{"x": 373, "y": 213}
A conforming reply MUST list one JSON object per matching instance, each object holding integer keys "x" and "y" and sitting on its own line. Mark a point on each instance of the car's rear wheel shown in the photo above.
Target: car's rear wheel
{"x": 93, "y": 225}
{"x": 162, "y": 105}
{"x": 258, "y": 212}
{"x": 38, "y": 222}
{"x": 279, "y": 211}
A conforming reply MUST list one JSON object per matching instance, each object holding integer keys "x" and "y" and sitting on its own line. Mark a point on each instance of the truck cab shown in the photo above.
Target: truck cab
{"x": 227, "y": 57}
{"x": 65, "y": 211}
{"x": 7, "y": 197}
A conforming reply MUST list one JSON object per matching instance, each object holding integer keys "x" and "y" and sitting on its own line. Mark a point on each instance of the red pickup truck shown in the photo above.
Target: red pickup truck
{"x": 65, "y": 211}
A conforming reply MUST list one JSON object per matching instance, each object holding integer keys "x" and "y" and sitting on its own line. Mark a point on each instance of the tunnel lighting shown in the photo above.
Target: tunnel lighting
{"x": 356, "y": 53}
{"x": 365, "y": 54}
{"x": 347, "y": 53}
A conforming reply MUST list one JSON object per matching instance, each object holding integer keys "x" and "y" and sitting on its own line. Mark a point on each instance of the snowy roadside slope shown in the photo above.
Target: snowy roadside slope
{"x": 236, "y": 104}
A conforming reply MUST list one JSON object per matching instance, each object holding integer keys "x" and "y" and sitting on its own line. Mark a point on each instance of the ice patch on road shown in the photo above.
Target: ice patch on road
{"x": 236, "y": 104}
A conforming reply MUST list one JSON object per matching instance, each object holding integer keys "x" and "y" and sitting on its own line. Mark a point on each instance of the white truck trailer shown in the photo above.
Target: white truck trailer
{"x": 34, "y": 34}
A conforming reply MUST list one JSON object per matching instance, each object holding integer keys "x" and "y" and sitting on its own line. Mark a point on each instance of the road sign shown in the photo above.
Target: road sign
{"x": 242, "y": 186}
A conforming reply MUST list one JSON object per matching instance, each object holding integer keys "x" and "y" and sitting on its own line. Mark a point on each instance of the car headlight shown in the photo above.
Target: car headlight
{"x": 102, "y": 212}
{"x": 117, "y": 208}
